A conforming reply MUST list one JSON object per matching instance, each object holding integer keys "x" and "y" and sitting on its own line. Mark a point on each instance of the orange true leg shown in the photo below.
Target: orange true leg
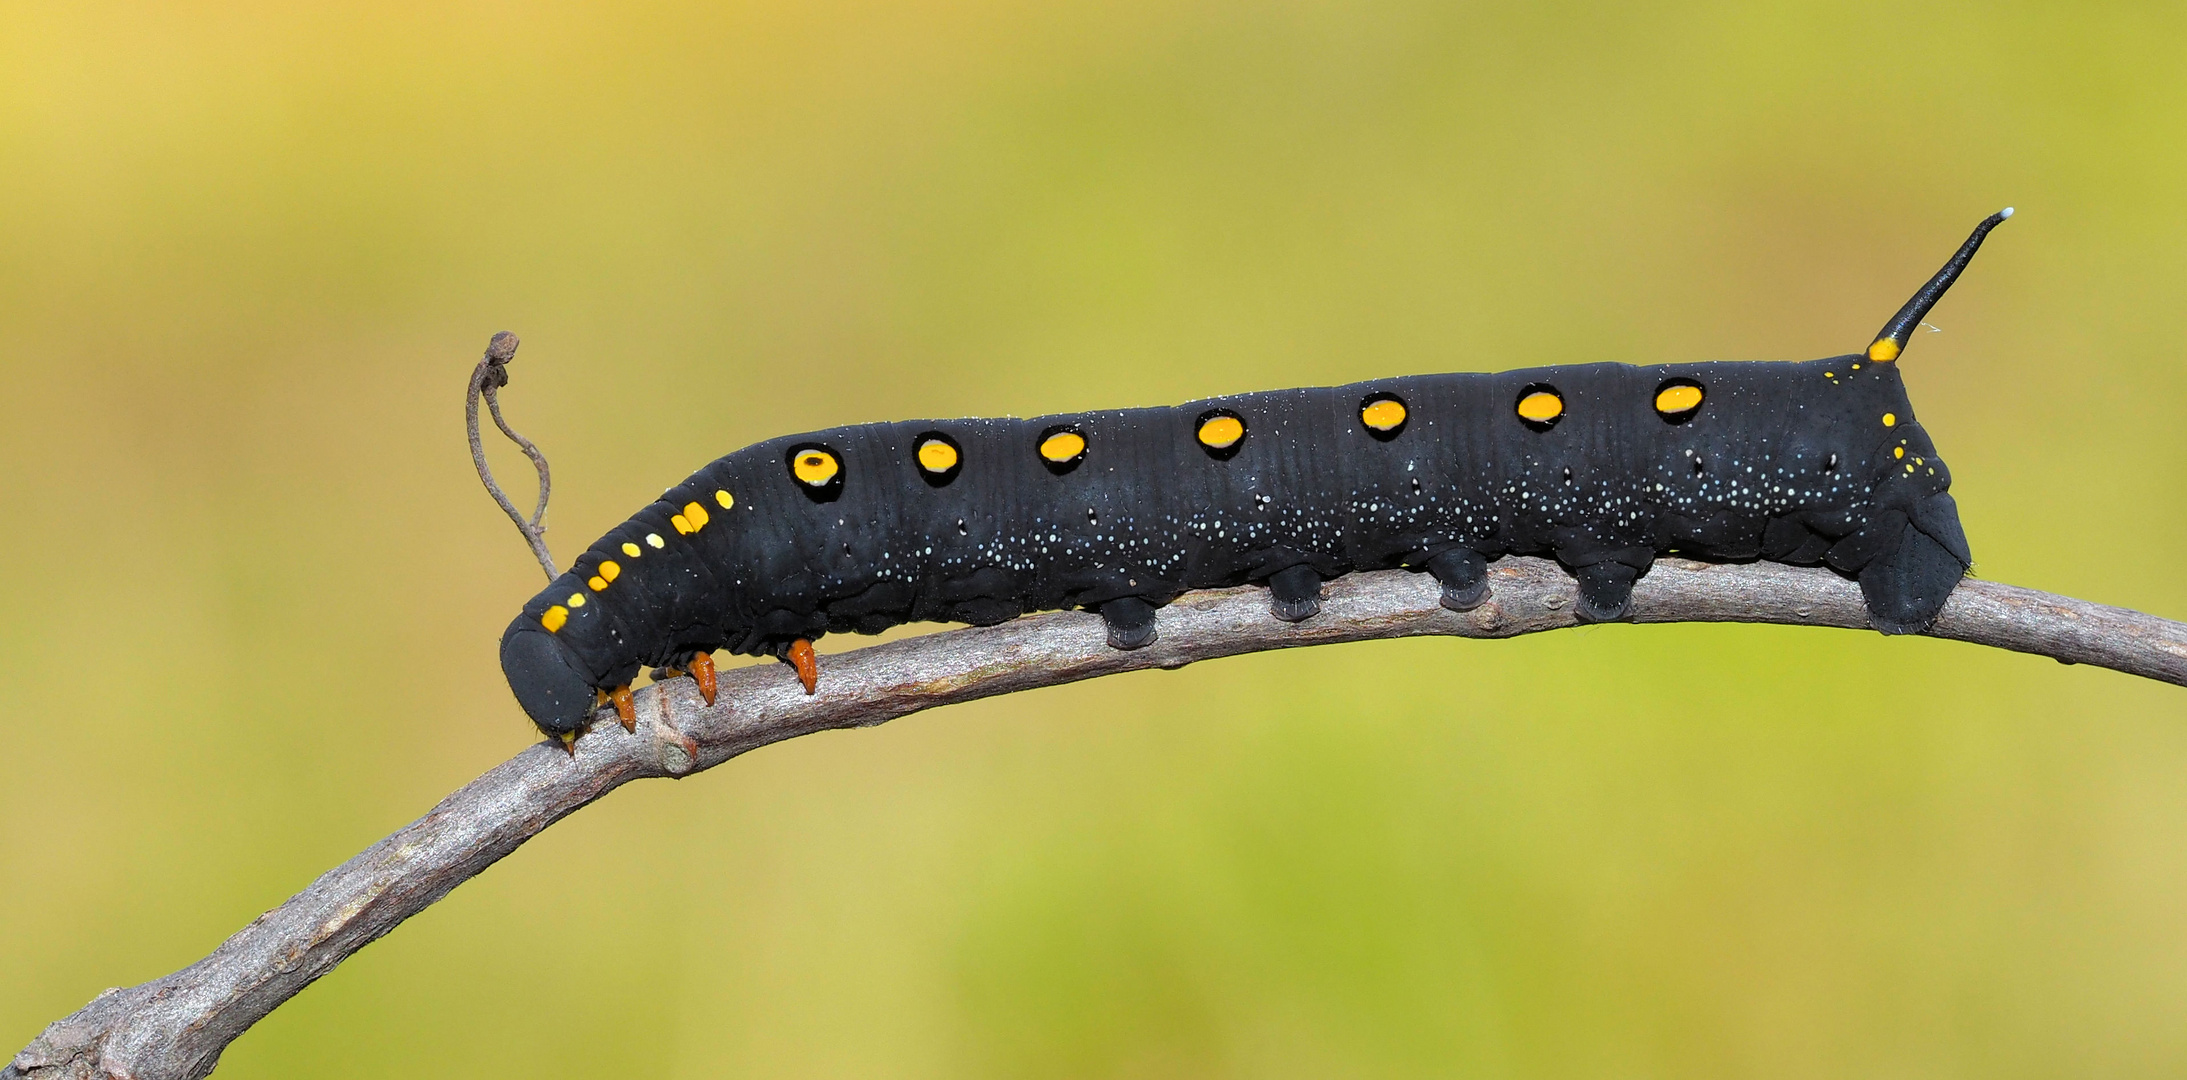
{"x": 702, "y": 672}
{"x": 807, "y": 664}
{"x": 625, "y": 710}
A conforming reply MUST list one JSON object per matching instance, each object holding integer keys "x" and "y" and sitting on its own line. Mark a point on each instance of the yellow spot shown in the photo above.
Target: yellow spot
{"x": 1898, "y": 451}
{"x": 936, "y": 456}
{"x": 1909, "y": 470}
{"x": 725, "y": 499}
{"x": 630, "y": 549}
{"x": 577, "y": 600}
{"x": 1063, "y": 446}
{"x": 1541, "y": 406}
{"x": 596, "y": 583}
{"x": 682, "y": 526}
{"x": 814, "y": 468}
{"x": 1830, "y": 374}
{"x": 1678, "y": 399}
{"x": 654, "y": 541}
{"x": 1921, "y": 461}
{"x": 1384, "y": 414}
{"x": 1890, "y": 419}
{"x": 1856, "y": 367}
{"x": 696, "y": 515}
{"x": 1221, "y": 432}
{"x": 611, "y": 570}
{"x": 555, "y": 618}
{"x": 1883, "y": 351}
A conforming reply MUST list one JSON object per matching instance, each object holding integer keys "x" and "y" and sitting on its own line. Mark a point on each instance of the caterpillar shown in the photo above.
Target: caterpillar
{"x": 1603, "y": 466}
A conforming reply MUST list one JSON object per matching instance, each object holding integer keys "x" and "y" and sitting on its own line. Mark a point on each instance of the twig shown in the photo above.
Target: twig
{"x": 491, "y": 374}
{"x": 176, "y": 1027}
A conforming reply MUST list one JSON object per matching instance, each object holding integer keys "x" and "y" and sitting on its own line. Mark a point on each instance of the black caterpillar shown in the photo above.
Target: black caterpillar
{"x": 1603, "y": 466}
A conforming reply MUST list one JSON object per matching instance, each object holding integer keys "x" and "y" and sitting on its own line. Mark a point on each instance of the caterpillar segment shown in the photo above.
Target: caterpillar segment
{"x": 1602, "y": 466}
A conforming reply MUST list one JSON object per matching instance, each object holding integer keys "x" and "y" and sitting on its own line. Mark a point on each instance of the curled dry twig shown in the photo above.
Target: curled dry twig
{"x": 175, "y": 1027}
{"x": 491, "y": 374}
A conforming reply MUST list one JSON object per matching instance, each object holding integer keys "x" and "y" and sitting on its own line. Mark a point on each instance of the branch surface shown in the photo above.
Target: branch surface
{"x": 175, "y": 1027}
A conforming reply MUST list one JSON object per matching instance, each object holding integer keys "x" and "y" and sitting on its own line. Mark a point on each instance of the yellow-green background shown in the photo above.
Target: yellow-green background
{"x": 248, "y": 254}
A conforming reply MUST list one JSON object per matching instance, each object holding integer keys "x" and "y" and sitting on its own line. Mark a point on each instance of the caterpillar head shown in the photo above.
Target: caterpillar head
{"x": 549, "y": 683}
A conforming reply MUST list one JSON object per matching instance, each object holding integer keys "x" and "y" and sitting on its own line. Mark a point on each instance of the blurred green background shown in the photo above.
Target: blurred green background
{"x": 248, "y": 254}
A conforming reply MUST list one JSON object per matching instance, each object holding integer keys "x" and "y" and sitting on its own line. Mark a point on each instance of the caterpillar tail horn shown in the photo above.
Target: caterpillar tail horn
{"x": 1891, "y": 340}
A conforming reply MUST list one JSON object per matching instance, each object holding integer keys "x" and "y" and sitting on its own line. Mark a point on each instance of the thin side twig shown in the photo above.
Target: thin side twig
{"x": 176, "y": 1027}
{"x": 487, "y": 379}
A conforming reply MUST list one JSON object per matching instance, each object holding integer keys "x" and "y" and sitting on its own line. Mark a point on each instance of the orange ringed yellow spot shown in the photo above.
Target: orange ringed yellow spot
{"x": 696, "y": 515}
{"x": 682, "y": 525}
{"x": 554, "y": 618}
{"x": 610, "y": 569}
{"x": 1898, "y": 451}
{"x": 936, "y": 456}
{"x": 1883, "y": 351}
{"x": 1678, "y": 399}
{"x": 1541, "y": 406}
{"x": 1383, "y": 415}
{"x": 1063, "y": 446}
{"x": 814, "y": 468}
{"x": 1221, "y": 432}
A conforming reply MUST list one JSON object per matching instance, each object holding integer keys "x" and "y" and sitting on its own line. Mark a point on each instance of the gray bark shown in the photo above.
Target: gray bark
{"x": 176, "y": 1027}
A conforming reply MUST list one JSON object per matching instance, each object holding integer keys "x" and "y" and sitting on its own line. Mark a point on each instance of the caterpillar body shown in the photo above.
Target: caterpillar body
{"x": 1603, "y": 466}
